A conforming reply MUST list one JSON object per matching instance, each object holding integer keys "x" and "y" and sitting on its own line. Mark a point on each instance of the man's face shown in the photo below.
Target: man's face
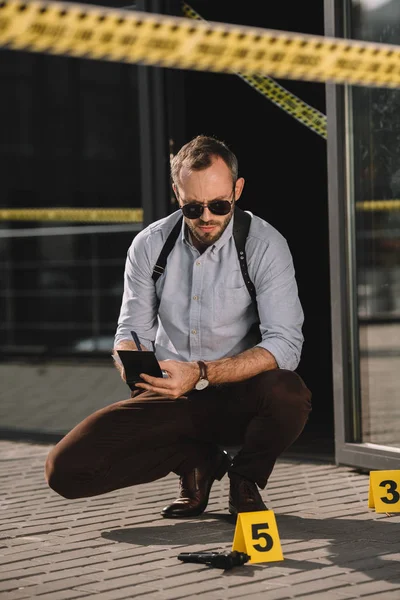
{"x": 213, "y": 183}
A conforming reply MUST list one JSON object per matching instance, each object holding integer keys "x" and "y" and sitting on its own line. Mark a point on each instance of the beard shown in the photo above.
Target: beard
{"x": 208, "y": 238}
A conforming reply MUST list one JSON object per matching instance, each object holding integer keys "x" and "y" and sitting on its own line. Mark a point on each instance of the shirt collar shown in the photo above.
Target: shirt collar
{"x": 185, "y": 232}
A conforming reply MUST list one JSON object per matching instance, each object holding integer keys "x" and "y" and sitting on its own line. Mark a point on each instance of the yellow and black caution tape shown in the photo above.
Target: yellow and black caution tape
{"x": 82, "y": 215}
{"x": 127, "y": 36}
{"x": 293, "y": 105}
{"x": 126, "y": 215}
{"x": 372, "y": 205}
{"x": 276, "y": 93}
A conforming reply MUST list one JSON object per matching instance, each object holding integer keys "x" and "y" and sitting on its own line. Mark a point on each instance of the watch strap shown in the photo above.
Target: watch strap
{"x": 203, "y": 369}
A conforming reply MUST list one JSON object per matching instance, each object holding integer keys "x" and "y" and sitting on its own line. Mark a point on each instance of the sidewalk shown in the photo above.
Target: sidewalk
{"x": 117, "y": 546}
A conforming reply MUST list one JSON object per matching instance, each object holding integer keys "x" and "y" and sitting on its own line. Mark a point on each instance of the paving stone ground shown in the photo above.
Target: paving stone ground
{"x": 116, "y": 546}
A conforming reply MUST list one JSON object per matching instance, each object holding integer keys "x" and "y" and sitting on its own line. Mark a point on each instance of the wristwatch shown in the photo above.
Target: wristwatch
{"x": 203, "y": 381}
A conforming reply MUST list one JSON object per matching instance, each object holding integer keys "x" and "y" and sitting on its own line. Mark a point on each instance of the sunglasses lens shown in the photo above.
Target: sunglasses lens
{"x": 220, "y": 207}
{"x": 192, "y": 210}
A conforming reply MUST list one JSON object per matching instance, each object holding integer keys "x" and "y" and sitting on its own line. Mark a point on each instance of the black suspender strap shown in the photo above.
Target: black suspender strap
{"x": 166, "y": 249}
{"x": 241, "y": 226}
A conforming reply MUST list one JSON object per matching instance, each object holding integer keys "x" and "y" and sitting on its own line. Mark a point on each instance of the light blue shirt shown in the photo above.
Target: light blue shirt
{"x": 200, "y": 307}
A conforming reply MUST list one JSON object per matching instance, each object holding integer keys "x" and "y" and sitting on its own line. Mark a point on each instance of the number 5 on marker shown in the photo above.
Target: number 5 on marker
{"x": 256, "y": 534}
{"x": 384, "y": 491}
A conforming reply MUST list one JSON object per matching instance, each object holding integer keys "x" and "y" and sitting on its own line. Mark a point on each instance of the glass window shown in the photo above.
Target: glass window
{"x": 69, "y": 137}
{"x": 374, "y": 117}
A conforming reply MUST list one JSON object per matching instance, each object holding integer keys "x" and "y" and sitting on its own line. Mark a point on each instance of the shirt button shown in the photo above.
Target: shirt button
{"x": 198, "y": 263}
{"x": 194, "y": 331}
{"x": 195, "y": 297}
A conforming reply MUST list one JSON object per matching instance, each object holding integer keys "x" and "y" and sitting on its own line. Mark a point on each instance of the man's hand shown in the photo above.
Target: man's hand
{"x": 182, "y": 377}
{"x": 124, "y": 345}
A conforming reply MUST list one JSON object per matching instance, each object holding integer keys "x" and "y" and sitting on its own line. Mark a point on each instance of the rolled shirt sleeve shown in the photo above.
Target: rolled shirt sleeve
{"x": 279, "y": 307}
{"x": 139, "y": 302}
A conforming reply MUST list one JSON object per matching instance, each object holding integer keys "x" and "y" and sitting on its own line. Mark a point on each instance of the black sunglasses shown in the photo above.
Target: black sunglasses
{"x": 194, "y": 210}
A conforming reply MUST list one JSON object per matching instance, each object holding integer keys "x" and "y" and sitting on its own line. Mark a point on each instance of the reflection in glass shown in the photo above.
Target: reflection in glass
{"x": 376, "y": 177}
{"x": 69, "y": 138}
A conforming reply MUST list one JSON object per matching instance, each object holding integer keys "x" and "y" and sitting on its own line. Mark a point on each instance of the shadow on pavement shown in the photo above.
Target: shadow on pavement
{"x": 28, "y": 436}
{"x": 363, "y": 542}
{"x": 188, "y": 532}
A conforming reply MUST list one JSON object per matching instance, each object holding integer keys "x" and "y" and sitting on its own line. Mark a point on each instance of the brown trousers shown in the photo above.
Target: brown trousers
{"x": 146, "y": 437}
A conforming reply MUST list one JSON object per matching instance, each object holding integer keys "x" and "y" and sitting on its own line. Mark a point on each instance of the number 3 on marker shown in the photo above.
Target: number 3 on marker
{"x": 257, "y": 534}
{"x": 391, "y": 489}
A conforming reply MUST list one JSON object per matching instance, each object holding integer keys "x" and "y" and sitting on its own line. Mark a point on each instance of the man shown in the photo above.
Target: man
{"x": 230, "y": 364}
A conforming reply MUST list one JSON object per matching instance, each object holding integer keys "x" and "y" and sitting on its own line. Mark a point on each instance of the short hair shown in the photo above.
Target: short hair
{"x": 198, "y": 154}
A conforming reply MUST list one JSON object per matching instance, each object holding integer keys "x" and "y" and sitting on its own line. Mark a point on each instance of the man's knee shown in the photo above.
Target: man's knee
{"x": 286, "y": 386}
{"x": 59, "y": 478}
{"x": 293, "y": 384}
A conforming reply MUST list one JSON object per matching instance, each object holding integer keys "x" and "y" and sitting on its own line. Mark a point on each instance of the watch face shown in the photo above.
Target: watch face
{"x": 201, "y": 384}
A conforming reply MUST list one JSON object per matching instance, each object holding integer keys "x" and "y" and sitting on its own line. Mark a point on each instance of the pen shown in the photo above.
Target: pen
{"x": 136, "y": 340}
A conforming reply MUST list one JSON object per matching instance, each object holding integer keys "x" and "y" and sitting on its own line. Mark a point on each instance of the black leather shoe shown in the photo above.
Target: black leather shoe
{"x": 195, "y": 487}
{"x": 244, "y": 495}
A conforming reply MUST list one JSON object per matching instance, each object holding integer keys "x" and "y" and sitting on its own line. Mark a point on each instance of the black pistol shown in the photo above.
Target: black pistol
{"x": 219, "y": 560}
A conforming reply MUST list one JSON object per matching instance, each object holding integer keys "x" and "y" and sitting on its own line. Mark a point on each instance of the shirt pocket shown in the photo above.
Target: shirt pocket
{"x": 230, "y": 304}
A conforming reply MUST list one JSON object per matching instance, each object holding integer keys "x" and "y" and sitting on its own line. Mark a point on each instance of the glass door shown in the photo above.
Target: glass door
{"x": 365, "y": 158}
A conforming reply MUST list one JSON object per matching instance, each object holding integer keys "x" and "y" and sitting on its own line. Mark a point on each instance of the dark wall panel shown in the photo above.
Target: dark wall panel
{"x": 284, "y": 165}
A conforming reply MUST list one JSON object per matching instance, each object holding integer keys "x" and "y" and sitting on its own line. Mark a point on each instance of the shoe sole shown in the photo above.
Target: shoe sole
{"x": 235, "y": 512}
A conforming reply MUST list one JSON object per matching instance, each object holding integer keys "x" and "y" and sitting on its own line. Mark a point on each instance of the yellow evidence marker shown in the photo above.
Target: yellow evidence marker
{"x": 257, "y": 535}
{"x": 384, "y": 491}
